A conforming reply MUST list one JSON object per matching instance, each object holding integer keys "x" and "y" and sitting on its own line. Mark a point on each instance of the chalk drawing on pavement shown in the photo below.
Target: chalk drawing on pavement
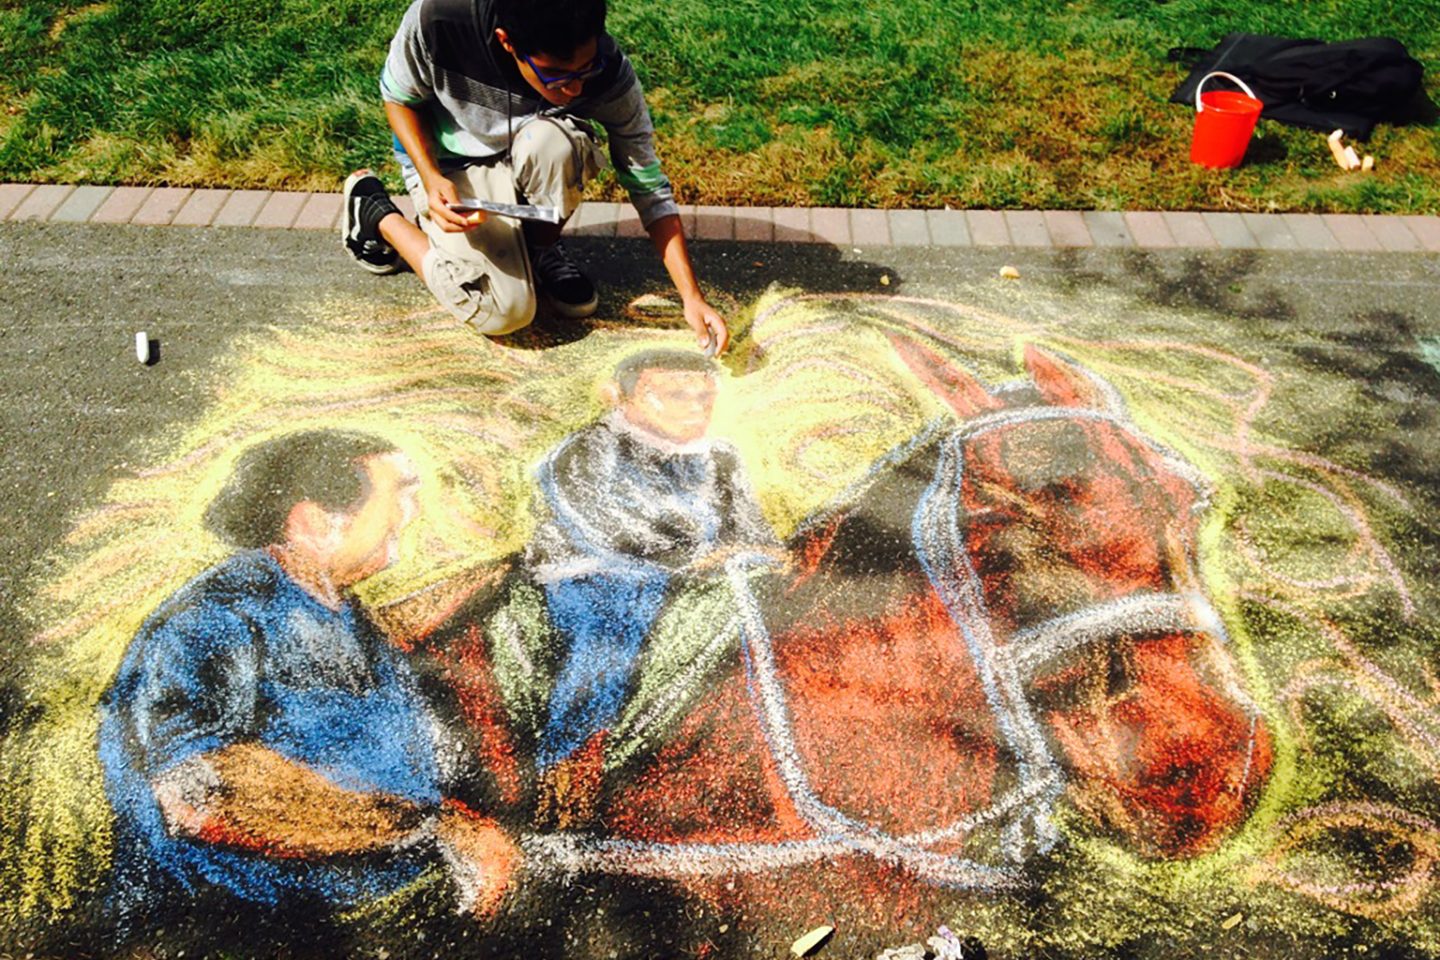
{"x": 924, "y": 591}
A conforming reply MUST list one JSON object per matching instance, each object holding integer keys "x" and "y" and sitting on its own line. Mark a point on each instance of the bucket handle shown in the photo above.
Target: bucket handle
{"x": 1200, "y": 108}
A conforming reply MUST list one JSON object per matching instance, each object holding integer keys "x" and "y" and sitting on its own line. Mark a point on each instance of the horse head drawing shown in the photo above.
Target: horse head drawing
{"x": 1076, "y": 543}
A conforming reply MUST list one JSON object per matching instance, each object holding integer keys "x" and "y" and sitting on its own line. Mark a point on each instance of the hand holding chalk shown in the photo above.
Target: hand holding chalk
{"x": 711, "y": 334}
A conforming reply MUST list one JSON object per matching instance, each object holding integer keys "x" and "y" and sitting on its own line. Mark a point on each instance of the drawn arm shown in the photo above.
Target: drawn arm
{"x": 745, "y": 533}
{"x": 249, "y": 796}
{"x": 193, "y": 710}
{"x": 252, "y": 797}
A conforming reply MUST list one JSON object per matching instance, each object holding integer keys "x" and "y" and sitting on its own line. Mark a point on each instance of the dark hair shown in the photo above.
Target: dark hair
{"x": 627, "y": 371}
{"x": 554, "y": 27}
{"x": 322, "y": 466}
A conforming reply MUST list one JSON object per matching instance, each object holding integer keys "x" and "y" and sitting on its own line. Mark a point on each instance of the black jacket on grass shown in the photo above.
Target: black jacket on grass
{"x": 1348, "y": 86}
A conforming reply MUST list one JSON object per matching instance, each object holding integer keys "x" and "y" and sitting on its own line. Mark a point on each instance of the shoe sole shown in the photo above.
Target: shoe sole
{"x": 382, "y": 270}
{"x": 574, "y": 311}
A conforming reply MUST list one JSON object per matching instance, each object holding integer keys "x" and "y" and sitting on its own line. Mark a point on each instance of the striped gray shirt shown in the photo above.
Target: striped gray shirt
{"x": 445, "y": 61}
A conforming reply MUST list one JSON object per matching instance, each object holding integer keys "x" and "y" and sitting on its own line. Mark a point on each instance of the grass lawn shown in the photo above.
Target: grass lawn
{"x": 925, "y": 103}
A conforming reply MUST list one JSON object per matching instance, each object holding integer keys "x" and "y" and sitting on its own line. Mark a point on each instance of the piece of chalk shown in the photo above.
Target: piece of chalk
{"x": 1368, "y": 163}
{"x": 1337, "y": 151}
{"x": 808, "y": 943}
{"x": 1352, "y": 158}
{"x": 1009, "y": 273}
{"x": 142, "y": 347}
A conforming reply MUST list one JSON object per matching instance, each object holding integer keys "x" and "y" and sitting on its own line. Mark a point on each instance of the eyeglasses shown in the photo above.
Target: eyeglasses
{"x": 558, "y": 80}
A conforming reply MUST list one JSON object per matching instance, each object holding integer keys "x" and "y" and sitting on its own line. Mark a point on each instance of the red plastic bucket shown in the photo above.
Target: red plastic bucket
{"x": 1224, "y": 122}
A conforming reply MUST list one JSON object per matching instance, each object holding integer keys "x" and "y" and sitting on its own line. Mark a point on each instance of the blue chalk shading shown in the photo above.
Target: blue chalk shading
{"x": 603, "y": 619}
{"x": 239, "y": 655}
{"x": 625, "y": 516}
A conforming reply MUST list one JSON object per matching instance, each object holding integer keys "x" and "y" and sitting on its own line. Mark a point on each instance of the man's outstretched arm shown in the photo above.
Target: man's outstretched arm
{"x": 626, "y": 118}
{"x": 711, "y": 333}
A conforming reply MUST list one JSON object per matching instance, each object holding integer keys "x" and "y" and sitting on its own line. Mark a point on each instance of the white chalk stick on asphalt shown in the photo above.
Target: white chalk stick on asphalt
{"x": 142, "y": 347}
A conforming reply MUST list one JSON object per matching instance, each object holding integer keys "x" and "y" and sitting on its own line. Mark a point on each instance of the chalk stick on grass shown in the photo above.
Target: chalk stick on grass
{"x": 1338, "y": 150}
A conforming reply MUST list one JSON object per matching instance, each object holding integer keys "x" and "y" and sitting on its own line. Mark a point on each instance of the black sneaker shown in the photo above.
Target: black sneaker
{"x": 366, "y": 204}
{"x": 571, "y": 293}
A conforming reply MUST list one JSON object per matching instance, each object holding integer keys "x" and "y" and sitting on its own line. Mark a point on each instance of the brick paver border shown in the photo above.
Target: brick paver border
{"x": 838, "y": 226}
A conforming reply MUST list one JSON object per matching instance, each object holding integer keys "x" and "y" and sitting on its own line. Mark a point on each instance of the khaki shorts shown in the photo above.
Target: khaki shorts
{"x": 483, "y": 275}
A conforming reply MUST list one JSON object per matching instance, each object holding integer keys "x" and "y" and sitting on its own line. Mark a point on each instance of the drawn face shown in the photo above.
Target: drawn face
{"x": 368, "y": 540}
{"x": 672, "y": 404}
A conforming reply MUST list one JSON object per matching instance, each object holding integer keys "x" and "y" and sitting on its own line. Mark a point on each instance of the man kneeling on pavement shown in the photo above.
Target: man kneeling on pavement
{"x": 492, "y": 100}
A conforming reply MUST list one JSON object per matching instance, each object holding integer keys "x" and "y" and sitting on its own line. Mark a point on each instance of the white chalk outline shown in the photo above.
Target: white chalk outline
{"x": 1003, "y": 668}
